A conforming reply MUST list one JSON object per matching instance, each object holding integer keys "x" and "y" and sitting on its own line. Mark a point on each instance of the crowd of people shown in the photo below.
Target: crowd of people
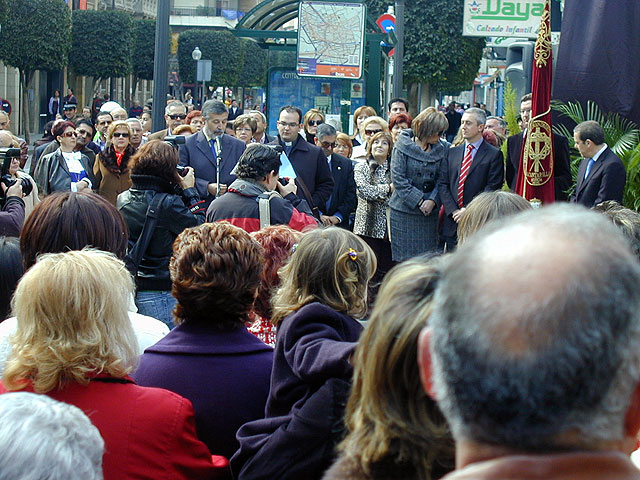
{"x": 208, "y": 301}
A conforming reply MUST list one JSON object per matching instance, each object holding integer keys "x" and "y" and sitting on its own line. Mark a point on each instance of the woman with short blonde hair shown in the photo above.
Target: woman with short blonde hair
{"x": 368, "y": 128}
{"x": 74, "y": 343}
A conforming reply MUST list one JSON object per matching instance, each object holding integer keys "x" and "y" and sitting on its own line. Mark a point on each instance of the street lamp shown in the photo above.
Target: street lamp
{"x": 196, "y": 55}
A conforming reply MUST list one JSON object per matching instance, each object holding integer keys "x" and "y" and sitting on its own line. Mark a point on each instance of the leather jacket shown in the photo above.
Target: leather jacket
{"x": 181, "y": 209}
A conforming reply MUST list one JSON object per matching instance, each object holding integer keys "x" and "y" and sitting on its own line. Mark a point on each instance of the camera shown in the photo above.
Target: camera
{"x": 6, "y": 155}
{"x": 174, "y": 140}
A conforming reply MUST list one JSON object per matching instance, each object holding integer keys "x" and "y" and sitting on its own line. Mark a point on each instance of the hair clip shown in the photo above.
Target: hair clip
{"x": 352, "y": 254}
{"x": 294, "y": 248}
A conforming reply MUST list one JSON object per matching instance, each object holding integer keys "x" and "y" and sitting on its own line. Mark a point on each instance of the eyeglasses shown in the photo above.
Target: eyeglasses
{"x": 315, "y": 123}
{"x": 121, "y": 134}
{"x": 288, "y": 124}
{"x": 69, "y": 134}
{"x": 180, "y": 116}
{"x": 83, "y": 133}
{"x": 372, "y": 132}
{"x": 243, "y": 129}
{"x": 328, "y": 145}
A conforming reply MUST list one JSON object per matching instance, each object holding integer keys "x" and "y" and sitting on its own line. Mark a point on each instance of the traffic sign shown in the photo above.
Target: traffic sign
{"x": 387, "y": 23}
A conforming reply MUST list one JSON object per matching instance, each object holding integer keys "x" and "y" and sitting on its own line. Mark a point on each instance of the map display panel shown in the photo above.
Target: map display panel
{"x": 330, "y": 39}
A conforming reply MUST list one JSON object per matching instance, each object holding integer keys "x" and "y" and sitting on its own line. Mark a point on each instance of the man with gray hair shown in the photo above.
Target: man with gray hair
{"x": 136, "y": 128}
{"x": 174, "y": 115}
{"x": 466, "y": 171}
{"x": 601, "y": 174}
{"x": 342, "y": 201}
{"x": 533, "y": 349}
{"x": 43, "y": 438}
{"x": 261, "y": 135}
{"x": 212, "y": 153}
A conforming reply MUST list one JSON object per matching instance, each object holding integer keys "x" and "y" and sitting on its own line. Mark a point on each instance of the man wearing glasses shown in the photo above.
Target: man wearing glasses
{"x": 212, "y": 153}
{"x": 174, "y": 115}
{"x": 562, "y": 179}
{"x": 303, "y": 161}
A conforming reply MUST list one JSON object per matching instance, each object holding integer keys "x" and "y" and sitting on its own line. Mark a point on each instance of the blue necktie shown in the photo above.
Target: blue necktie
{"x": 212, "y": 142}
{"x": 589, "y": 165}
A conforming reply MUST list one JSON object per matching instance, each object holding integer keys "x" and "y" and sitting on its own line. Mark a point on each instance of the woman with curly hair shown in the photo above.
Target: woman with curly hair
{"x": 210, "y": 357}
{"x": 323, "y": 291}
{"x": 111, "y": 167}
{"x": 74, "y": 343}
{"x": 395, "y": 431}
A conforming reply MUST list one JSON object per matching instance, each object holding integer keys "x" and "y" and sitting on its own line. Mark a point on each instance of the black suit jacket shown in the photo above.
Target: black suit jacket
{"x": 343, "y": 198}
{"x": 196, "y": 152}
{"x": 562, "y": 179}
{"x": 485, "y": 174}
{"x": 233, "y": 115}
{"x": 311, "y": 166}
{"x": 606, "y": 180}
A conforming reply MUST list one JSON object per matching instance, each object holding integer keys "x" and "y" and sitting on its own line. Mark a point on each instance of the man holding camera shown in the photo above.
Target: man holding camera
{"x": 12, "y": 214}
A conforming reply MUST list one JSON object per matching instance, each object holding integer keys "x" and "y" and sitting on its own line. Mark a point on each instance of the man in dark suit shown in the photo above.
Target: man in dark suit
{"x": 601, "y": 175}
{"x": 235, "y": 111}
{"x": 562, "y": 179}
{"x": 313, "y": 176}
{"x": 466, "y": 171}
{"x": 261, "y": 135}
{"x": 174, "y": 115}
{"x": 212, "y": 153}
{"x": 343, "y": 199}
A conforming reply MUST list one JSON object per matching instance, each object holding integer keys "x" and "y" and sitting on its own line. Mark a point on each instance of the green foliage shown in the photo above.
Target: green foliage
{"x": 220, "y": 46}
{"x": 254, "y": 68}
{"x": 621, "y": 135}
{"x": 435, "y": 51}
{"x": 36, "y": 36}
{"x": 101, "y": 43}
{"x": 511, "y": 109}
{"x": 143, "y": 51}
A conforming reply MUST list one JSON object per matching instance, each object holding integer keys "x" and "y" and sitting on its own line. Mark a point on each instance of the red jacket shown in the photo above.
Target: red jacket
{"x": 148, "y": 432}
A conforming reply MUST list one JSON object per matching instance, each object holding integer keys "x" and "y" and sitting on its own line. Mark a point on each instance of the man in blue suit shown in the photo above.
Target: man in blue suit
{"x": 466, "y": 171}
{"x": 212, "y": 153}
{"x": 343, "y": 199}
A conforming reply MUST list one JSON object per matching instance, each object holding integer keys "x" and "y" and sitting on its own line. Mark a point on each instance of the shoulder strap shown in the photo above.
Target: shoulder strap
{"x": 135, "y": 254}
{"x": 264, "y": 207}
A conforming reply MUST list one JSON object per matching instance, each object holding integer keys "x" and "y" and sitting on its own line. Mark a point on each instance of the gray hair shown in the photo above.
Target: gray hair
{"x": 258, "y": 112}
{"x": 500, "y": 120}
{"x": 536, "y": 332}
{"x": 172, "y": 104}
{"x": 590, "y": 130}
{"x": 134, "y": 120}
{"x": 325, "y": 130}
{"x": 43, "y": 438}
{"x": 213, "y": 106}
{"x": 481, "y": 116}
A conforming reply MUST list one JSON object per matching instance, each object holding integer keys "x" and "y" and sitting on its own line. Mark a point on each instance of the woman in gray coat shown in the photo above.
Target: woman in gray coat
{"x": 415, "y": 163}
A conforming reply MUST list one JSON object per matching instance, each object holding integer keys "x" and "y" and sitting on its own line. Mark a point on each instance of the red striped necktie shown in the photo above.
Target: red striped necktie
{"x": 464, "y": 171}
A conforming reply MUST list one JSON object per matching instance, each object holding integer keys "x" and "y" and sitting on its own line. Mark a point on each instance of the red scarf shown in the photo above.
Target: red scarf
{"x": 119, "y": 156}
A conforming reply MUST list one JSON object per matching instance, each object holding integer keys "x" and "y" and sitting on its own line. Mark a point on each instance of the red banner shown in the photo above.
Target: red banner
{"x": 535, "y": 175}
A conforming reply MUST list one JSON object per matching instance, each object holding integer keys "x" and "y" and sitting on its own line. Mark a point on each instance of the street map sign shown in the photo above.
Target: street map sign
{"x": 502, "y": 18}
{"x": 331, "y": 39}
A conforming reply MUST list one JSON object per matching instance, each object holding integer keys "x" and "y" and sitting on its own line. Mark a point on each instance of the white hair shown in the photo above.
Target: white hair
{"x": 41, "y": 438}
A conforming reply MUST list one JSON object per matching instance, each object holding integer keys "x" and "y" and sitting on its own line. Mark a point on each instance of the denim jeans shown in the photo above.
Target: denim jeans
{"x": 157, "y": 304}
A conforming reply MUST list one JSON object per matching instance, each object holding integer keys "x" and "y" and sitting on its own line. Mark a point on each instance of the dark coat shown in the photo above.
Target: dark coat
{"x": 181, "y": 209}
{"x": 234, "y": 114}
{"x": 147, "y": 432}
{"x": 225, "y": 374}
{"x": 343, "y": 198}
{"x": 562, "y": 179}
{"x": 309, "y": 389}
{"x": 52, "y": 174}
{"x": 606, "y": 180}
{"x": 310, "y": 164}
{"x": 239, "y": 206}
{"x": 12, "y": 217}
{"x": 196, "y": 153}
{"x": 485, "y": 174}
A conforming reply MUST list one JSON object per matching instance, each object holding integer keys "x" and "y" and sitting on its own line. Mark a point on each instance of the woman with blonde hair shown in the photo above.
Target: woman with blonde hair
{"x": 415, "y": 169}
{"x": 395, "y": 431}
{"x": 488, "y": 206}
{"x": 344, "y": 146}
{"x": 368, "y": 128}
{"x": 312, "y": 119}
{"x": 359, "y": 116}
{"x": 323, "y": 291}
{"x": 373, "y": 189}
{"x": 111, "y": 167}
{"x": 74, "y": 343}
{"x": 245, "y": 127}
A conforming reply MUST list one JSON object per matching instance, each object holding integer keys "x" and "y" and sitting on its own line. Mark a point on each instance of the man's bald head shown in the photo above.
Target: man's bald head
{"x": 6, "y": 139}
{"x": 536, "y": 332}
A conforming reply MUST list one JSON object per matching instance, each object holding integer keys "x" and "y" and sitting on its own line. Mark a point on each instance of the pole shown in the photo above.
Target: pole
{"x": 161, "y": 65}
{"x": 399, "y": 50}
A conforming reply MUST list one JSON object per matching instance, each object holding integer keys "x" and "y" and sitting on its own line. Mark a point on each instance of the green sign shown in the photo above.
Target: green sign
{"x": 502, "y": 18}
